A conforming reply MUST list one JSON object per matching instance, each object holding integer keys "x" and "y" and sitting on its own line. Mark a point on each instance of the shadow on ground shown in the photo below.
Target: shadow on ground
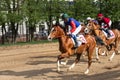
{"x": 109, "y": 75}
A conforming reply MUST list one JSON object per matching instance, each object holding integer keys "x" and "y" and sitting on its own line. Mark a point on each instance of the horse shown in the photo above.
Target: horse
{"x": 66, "y": 47}
{"x": 110, "y": 44}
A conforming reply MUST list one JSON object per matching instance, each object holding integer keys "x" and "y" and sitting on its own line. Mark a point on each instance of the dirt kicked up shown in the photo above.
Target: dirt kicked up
{"x": 38, "y": 62}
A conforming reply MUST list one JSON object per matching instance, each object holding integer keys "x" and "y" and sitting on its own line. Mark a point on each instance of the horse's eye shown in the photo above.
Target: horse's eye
{"x": 54, "y": 30}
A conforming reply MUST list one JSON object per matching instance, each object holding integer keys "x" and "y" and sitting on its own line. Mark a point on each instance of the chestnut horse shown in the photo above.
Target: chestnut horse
{"x": 110, "y": 44}
{"x": 66, "y": 47}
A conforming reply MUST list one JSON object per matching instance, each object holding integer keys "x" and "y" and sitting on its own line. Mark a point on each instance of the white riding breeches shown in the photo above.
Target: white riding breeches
{"x": 110, "y": 23}
{"x": 78, "y": 29}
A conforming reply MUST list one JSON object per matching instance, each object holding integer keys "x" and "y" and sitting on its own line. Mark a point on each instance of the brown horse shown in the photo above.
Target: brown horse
{"x": 66, "y": 47}
{"x": 110, "y": 44}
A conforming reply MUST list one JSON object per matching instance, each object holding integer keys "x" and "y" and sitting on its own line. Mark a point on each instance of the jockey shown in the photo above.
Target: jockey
{"x": 89, "y": 19}
{"x": 73, "y": 27}
{"x": 105, "y": 23}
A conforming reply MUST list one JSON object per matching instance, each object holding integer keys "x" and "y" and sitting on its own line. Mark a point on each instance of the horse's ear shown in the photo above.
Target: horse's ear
{"x": 57, "y": 23}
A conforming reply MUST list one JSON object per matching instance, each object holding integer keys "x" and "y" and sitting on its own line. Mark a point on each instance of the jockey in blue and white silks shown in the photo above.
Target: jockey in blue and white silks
{"x": 73, "y": 27}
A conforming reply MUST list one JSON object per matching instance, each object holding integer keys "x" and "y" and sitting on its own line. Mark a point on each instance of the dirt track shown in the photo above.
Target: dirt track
{"x": 38, "y": 62}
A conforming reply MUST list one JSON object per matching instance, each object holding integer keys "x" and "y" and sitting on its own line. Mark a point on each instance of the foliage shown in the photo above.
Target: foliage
{"x": 35, "y": 11}
{"x": 110, "y": 8}
{"x": 84, "y": 9}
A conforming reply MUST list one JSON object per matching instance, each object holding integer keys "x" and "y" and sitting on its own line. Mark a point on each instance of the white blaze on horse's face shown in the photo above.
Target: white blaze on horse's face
{"x": 86, "y": 30}
{"x": 50, "y": 35}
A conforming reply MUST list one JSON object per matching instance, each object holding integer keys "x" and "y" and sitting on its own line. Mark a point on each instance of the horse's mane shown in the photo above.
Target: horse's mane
{"x": 96, "y": 24}
{"x": 61, "y": 26}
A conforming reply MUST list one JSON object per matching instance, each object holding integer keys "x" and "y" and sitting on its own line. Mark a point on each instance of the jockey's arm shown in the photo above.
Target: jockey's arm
{"x": 72, "y": 24}
{"x": 106, "y": 23}
{"x": 106, "y": 26}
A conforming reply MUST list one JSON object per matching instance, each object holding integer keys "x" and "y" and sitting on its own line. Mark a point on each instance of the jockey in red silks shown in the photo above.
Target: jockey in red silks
{"x": 73, "y": 27}
{"x": 105, "y": 23}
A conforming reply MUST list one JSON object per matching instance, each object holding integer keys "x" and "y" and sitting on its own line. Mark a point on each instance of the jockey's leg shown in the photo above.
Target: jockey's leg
{"x": 108, "y": 33}
{"x": 75, "y": 39}
{"x": 74, "y": 35}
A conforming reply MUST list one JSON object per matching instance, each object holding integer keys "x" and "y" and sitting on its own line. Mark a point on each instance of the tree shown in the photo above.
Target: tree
{"x": 14, "y": 12}
{"x": 13, "y": 16}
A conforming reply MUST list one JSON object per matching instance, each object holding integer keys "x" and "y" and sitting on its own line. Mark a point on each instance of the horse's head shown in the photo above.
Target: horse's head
{"x": 88, "y": 28}
{"x": 91, "y": 27}
{"x": 56, "y": 32}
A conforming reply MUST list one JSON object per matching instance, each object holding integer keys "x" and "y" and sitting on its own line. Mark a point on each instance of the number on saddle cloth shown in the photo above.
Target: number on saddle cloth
{"x": 79, "y": 39}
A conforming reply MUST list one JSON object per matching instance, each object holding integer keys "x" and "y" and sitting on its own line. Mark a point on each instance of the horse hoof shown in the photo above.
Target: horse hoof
{"x": 97, "y": 59}
{"x": 110, "y": 60}
{"x": 58, "y": 70}
{"x": 87, "y": 71}
{"x": 68, "y": 70}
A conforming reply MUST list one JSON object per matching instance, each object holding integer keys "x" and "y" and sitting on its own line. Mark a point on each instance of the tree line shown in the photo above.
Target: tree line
{"x": 14, "y": 12}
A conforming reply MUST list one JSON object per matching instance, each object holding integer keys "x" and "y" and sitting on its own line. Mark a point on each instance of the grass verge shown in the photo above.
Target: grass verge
{"x": 28, "y": 43}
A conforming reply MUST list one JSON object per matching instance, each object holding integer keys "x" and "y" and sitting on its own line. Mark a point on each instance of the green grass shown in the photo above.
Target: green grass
{"x": 27, "y": 43}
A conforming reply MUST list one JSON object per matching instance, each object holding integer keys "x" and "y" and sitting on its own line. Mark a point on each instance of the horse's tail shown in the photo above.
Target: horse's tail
{"x": 115, "y": 25}
{"x": 116, "y": 41}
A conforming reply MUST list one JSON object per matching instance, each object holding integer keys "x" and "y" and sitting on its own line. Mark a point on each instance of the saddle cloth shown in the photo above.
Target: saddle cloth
{"x": 80, "y": 39}
{"x": 111, "y": 33}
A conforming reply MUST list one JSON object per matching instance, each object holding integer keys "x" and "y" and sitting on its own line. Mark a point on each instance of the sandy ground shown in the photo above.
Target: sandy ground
{"x": 38, "y": 62}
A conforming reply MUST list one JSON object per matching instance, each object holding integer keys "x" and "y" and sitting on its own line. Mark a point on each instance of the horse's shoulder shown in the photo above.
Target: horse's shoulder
{"x": 68, "y": 38}
{"x": 87, "y": 36}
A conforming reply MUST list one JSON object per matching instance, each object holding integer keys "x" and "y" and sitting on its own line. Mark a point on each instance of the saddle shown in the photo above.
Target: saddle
{"x": 111, "y": 33}
{"x": 80, "y": 40}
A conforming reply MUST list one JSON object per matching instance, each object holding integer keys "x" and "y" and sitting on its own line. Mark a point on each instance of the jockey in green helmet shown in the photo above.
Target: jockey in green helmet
{"x": 73, "y": 26}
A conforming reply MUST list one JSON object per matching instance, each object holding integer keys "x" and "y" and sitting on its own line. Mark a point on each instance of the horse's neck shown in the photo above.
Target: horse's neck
{"x": 62, "y": 42}
{"x": 96, "y": 30}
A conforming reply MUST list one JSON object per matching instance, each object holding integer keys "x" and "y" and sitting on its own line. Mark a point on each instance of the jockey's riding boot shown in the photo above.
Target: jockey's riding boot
{"x": 76, "y": 43}
{"x": 108, "y": 33}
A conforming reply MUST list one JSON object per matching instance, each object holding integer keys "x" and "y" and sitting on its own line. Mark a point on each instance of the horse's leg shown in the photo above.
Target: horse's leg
{"x": 115, "y": 50}
{"x": 113, "y": 54}
{"x": 76, "y": 61}
{"x": 90, "y": 54}
{"x": 83, "y": 55}
{"x": 59, "y": 60}
{"x": 58, "y": 65}
{"x": 116, "y": 46}
{"x": 104, "y": 52}
{"x": 64, "y": 63}
{"x": 97, "y": 57}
